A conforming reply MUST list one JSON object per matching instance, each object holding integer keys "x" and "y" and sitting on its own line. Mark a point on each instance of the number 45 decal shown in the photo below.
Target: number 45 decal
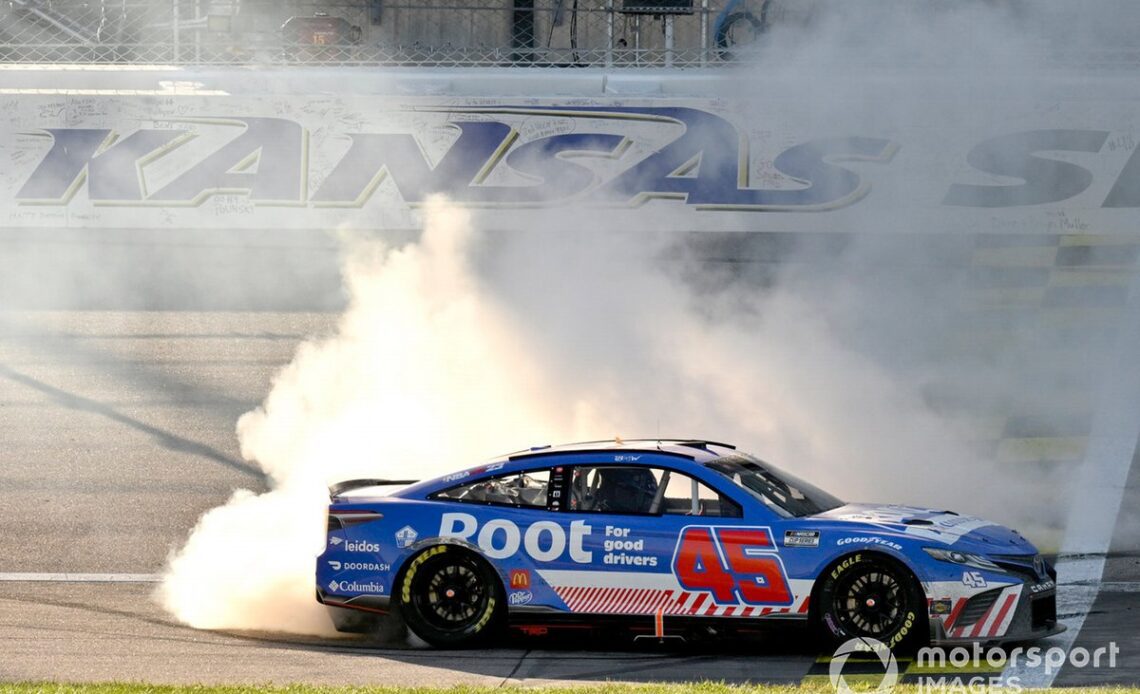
{"x": 734, "y": 564}
{"x": 974, "y": 579}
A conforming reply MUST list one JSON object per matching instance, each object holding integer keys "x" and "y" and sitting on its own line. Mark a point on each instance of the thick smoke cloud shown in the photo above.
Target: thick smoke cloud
{"x": 838, "y": 364}
{"x": 455, "y": 347}
{"x": 412, "y": 382}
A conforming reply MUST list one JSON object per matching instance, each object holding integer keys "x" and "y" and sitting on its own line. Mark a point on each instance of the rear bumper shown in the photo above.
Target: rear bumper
{"x": 356, "y": 615}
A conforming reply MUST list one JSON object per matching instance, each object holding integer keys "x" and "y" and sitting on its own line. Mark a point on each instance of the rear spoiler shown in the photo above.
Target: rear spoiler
{"x": 348, "y": 485}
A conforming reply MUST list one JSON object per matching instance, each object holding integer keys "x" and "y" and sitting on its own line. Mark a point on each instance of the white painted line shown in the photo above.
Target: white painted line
{"x": 1119, "y": 586}
{"x": 30, "y": 577}
{"x": 1100, "y": 489}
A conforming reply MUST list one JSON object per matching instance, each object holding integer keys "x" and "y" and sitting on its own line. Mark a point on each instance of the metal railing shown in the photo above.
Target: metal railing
{"x": 371, "y": 32}
{"x": 571, "y": 33}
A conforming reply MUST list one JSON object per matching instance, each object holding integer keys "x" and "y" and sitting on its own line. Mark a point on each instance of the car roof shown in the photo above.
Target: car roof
{"x": 698, "y": 450}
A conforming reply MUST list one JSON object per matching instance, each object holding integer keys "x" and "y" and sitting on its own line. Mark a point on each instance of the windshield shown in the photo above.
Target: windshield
{"x": 785, "y": 494}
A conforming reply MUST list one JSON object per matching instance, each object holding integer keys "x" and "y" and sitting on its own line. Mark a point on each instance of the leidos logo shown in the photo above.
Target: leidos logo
{"x": 864, "y": 651}
{"x": 361, "y": 546}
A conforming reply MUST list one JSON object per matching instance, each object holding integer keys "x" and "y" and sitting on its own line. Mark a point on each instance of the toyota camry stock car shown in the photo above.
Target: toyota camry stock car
{"x": 669, "y": 538}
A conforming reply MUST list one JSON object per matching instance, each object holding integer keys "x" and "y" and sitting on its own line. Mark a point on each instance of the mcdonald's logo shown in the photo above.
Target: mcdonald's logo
{"x": 520, "y": 579}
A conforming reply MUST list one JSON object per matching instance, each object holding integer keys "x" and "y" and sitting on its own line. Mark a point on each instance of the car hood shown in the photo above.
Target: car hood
{"x": 964, "y": 533}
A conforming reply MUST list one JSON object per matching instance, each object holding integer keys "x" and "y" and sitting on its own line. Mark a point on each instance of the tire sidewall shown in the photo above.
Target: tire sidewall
{"x": 483, "y": 627}
{"x": 912, "y": 628}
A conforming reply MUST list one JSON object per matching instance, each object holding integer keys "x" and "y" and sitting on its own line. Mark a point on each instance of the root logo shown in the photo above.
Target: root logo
{"x": 866, "y": 661}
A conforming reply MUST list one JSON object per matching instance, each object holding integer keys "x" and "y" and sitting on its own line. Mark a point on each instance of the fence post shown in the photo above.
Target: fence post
{"x": 198, "y": 33}
{"x": 704, "y": 33}
{"x": 175, "y": 30}
{"x": 637, "y": 39}
{"x": 609, "y": 33}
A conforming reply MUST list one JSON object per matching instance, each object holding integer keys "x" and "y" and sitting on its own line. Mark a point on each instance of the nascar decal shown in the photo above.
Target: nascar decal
{"x": 801, "y": 538}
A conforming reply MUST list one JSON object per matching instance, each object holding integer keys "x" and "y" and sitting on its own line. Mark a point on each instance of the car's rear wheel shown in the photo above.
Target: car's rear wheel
{"x": 450, "y": 597}
{"x": 870, "y": 596}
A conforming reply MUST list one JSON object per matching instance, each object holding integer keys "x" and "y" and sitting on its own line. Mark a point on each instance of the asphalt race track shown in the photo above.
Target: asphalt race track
{"x": 117, "y": 424}
{"x": 119, "y": 433}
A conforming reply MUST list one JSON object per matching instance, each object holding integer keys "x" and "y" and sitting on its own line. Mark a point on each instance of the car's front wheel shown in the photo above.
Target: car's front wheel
{"x": 869, "y": 596}
{"x": 450, "y": 597}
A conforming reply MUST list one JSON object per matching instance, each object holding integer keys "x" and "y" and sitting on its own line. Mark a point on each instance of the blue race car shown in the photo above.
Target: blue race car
{"x": 668, "y": 537}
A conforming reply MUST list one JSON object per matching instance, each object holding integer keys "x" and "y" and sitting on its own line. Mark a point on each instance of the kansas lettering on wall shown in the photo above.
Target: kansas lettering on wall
{"x": 713, "y": 169}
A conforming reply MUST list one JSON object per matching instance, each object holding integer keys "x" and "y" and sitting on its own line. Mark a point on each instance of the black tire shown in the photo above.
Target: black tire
{"x": 868, "y": 595}
{"x": 450, "y": 597}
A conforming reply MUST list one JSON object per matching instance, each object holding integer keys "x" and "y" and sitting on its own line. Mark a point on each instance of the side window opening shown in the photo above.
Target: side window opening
{"x": 645, "y": 491}
{"x": 528, "y": 489}
{"x": 688, "y": 496}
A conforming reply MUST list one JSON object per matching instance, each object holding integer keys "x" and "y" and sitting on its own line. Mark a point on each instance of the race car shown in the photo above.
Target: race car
{"x": 666, "y": 538}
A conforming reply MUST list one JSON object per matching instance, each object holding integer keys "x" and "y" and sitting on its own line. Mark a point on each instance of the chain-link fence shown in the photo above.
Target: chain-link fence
{"x": 571, "y": 33}
{"x": 398, "y": 32}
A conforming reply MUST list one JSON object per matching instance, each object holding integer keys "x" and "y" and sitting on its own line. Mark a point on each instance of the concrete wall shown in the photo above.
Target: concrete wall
{"x": 323, "y": 148}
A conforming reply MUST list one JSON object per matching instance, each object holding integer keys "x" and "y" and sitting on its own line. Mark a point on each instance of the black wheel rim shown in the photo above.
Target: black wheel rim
{"x": 451, "y": 595}
{"x": 871, "y": 602}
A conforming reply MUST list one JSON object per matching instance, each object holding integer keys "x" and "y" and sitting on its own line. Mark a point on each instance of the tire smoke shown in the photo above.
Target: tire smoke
{"x": 467, "y": 343}
{"x": 458, "y": 346}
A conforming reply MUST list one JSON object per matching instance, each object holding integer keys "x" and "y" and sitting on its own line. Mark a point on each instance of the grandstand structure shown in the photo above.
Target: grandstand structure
{"x": 365, "y": 32}
{"x": 443, "y": 33}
